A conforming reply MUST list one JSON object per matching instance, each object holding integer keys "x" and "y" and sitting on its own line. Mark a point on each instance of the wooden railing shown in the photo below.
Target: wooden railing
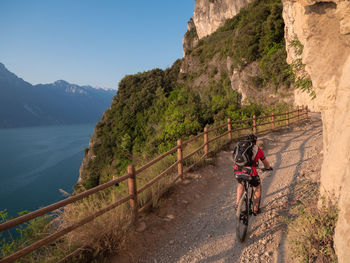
{"x": 255, "y": 124}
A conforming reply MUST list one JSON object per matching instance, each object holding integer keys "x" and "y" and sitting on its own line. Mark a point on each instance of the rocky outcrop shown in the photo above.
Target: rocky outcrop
{"x": 190, "y": 39}
{"x": 324, "y": 30}
{"x": 240, "y": 80}
{"x": 209, "y": 15}
{"x": 303, "y": 98}
{"x": 243, "y": 82}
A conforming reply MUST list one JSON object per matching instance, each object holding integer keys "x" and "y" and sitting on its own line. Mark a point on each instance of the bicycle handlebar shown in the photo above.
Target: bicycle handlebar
{"x": 265, "y": 169}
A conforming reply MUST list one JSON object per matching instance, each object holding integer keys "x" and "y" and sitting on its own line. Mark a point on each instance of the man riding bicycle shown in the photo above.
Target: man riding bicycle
{"x": 257, "y": 154}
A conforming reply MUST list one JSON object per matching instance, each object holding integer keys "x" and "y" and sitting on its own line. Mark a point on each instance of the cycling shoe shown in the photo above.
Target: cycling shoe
{"x": 255, "y": 213}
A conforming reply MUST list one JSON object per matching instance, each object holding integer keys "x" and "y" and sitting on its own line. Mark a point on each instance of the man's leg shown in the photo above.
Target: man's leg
{"x": 257, "y": 197}
{"x": 240, "y": 191}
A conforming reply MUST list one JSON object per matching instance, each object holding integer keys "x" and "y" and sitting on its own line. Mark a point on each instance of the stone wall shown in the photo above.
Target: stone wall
{"x": 324, "y": 30}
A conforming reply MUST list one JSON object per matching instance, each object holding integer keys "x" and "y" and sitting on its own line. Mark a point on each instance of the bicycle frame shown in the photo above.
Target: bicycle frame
{"x": 244, "y": 210}
{"x": 249, "y": 204}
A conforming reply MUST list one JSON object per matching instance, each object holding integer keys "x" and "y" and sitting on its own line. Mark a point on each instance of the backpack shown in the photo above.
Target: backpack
{"x": 243, "y": 154}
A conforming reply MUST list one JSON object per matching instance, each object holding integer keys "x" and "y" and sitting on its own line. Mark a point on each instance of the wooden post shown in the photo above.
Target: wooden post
{"x": 133, "y": 192}
{"x": 254, "y": 124}
{"x": 273, "y": 120}
{"x": 206, "y": 146}
{"x": 287, "y": 118}
{"x": 307, "y": 112}
{"x": 229, "y": 129}
{"x": 298, "y": 113}
{"x": 179, "y": 158}
{"x": 302, "y": 111}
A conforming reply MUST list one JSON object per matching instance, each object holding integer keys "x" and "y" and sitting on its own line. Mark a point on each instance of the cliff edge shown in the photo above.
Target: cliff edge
{"x": 323, "y": 28}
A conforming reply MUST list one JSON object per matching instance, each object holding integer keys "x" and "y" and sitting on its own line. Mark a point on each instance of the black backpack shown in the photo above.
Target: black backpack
{"x": 243, "y": 154}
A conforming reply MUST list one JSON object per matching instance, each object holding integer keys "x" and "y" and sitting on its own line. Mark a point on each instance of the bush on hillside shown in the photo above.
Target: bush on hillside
{"x": 150, "y": 112}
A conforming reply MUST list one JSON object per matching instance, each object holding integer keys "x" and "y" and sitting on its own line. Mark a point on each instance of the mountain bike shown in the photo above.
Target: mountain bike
{"x": 245, "y": 206}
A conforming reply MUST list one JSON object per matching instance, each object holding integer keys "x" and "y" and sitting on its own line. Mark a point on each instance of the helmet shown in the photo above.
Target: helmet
{"x": 251, "y": 137}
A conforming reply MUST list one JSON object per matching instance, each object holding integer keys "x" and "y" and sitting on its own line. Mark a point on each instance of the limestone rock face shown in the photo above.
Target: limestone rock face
{"x": 209, "y": 15}
{"x": 241, "y": 81}
{"x": 324, "y": 30}
{"x": 190, "y": 39}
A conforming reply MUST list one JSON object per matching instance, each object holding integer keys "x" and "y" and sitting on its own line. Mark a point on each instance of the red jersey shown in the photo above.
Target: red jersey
{"x": 258, "y": 154}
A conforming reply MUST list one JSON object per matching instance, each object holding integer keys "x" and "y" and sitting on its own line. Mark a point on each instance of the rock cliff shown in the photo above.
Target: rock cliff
{"x": 190, "y": 39}
{"x": 209, "y": 15}
{"x": 323, "y": 28}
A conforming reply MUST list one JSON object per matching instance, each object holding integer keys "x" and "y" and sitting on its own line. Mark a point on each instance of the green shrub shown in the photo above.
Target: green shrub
{"x": 274, "y": 70}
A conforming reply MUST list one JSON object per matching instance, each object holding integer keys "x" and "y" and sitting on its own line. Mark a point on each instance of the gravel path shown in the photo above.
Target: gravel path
{"x": 196, "y": 223}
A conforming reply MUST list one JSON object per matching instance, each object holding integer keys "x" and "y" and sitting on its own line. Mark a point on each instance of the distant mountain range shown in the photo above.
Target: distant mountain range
{"x": 23, "y": 104}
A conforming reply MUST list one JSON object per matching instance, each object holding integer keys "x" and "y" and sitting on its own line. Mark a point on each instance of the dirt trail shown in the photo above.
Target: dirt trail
{"x": 196, "y": 223}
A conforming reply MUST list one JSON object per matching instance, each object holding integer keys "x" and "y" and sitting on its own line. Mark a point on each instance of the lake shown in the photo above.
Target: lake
{"x": 36, "y": 162}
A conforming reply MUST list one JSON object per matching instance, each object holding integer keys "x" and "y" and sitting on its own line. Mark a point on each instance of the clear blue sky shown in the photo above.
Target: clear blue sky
{"x": 90, "y": 42}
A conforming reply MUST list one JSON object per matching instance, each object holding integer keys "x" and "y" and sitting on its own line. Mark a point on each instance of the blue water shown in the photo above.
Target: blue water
{"x": 36, "y": 162}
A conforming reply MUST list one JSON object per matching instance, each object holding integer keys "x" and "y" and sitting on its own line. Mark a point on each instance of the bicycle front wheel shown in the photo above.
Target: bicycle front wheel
{"x": 242, "y": 216}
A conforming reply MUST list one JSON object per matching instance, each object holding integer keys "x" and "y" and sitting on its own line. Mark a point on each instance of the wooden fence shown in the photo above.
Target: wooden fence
{"x": 255, "y": 125}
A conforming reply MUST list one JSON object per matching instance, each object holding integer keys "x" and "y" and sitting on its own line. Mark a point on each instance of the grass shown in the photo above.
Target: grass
{"x": 311, "y": 226}
{"x": 152, "y": 193}
{"x": 105, "y": 234}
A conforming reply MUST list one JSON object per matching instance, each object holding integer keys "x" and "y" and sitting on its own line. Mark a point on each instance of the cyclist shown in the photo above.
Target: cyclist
{"x": 258, "y": 154}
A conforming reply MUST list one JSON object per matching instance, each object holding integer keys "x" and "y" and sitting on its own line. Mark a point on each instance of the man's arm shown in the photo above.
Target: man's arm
{"x": 261, "y": 156}
{"x": 266, "y": 163}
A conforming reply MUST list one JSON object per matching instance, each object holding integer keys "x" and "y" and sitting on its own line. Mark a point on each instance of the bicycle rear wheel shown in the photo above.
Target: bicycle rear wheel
{"x": 242, "y": 216}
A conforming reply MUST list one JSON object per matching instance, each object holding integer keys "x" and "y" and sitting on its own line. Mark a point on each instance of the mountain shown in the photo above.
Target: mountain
{"x": 23, "y": 104}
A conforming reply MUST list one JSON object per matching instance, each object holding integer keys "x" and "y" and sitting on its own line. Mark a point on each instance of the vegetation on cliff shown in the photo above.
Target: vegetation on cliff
{"x": 155, "y": 108}
{"x": 255, "y": 34}
{"x": 150, "y": 112}
{"x": 302, "y": 78}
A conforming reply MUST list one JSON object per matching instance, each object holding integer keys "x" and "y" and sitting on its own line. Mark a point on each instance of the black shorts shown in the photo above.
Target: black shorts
{"x": 254, "y": 182}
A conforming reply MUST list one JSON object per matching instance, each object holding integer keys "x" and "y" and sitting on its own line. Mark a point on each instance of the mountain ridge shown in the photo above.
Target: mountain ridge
{"x": 23, "y": 104}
